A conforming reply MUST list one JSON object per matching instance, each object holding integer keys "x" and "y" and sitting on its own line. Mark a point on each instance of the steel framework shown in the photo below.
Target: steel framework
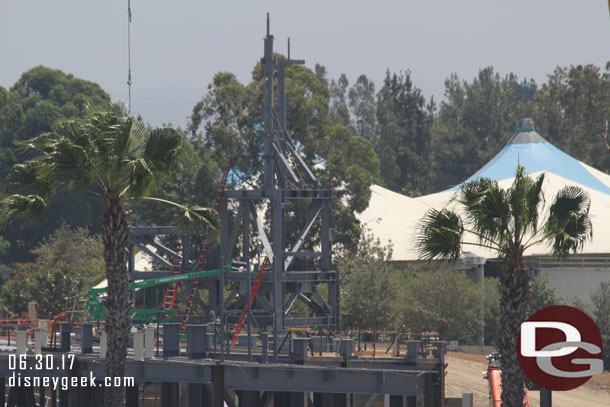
{"x": 300, "y": 264}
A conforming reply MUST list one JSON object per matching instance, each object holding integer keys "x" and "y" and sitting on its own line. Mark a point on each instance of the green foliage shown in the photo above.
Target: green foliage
{"x": 600, "y": 301}
{"x": 34, "y": 104}
{"x": 492, "y": 311}
{"x": 403, "y": 145}
{"x": 507, "y": 222}
{"x": 541, "y": 295}
{"x": 66, "y": 265}
{"x": 369, "y": 291}
{"x": 475, "y": 122}
{"x": 443, "y": 300}
{"x": 228, "y": 124}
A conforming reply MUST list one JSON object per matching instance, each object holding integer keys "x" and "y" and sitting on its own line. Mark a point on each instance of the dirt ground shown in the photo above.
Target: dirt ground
{"x": 465, "y": 375}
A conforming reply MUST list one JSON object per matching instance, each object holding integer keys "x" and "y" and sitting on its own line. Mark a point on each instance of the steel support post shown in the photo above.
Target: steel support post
{"x": 170, "y": 394}
{"x": 131, "y": 396}
{"x": 546, "y": 398}
{"x": 330, "y": 400}
{"x": 42, "y": 401}
{"x": 64, "y": 398}
{"x": 218, "y": 386}
{"x": 278, "y": 269}
{"x": 398, "y": 401}
{"x": 250, "y": 399}
{"x": 199, "y": 395}
{"x": 281, "y": 398}
{"x": 224, "y": 254}
{"x": 325, "y": 242}
{"x": 267, "y": 111}
{"x": 299, "y": 399}
{"x": 246, "y": 257}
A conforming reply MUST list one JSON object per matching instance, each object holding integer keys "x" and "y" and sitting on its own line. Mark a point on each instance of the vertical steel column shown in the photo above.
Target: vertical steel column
{"x": 278, "y": 269}
{"x": 250, "y": 398}
{"x": 131, "y": 395}
{"x": 268, "y": 111}
{"x": 218, "y": 386}
{"x": 398, "y": 401}
{"x": 546, "y": 398}
{"x": 199, "y": 395}
{"x": 170, "y": 394}
{"x": 246, "y": 255}
{"x": 281, "y": 101}
{"x": 224, "y": 251}
{"x": 325, "y": 262}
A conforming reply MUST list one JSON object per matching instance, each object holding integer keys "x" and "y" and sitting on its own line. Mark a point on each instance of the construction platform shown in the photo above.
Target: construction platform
{"x": 241, "y": 376}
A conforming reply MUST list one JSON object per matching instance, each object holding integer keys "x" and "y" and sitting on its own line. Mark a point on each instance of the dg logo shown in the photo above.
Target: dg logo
{"x": 560, "y": 348}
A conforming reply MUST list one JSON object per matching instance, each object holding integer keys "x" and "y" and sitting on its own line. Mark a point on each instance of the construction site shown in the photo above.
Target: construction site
{"x": 243, "y": 350}
{"x": 253, "y": 317}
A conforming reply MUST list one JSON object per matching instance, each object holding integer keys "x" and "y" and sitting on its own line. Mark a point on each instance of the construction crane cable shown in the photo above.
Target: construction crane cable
{"x": 129, "y": 53}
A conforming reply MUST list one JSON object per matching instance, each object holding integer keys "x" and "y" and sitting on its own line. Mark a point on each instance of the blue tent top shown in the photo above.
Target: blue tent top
{"x": 536, "y": 154}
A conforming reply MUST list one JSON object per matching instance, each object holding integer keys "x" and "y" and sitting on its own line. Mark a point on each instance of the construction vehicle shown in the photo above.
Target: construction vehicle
{"x": 494, "y": 377}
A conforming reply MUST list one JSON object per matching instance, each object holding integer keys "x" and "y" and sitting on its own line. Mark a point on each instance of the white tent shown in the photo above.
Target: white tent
{"x": 394, "y": 217}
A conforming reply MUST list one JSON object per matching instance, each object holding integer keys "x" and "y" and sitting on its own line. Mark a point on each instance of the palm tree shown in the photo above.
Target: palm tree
{"x": 114, "y": 158}
{"x": 508, "y": 222}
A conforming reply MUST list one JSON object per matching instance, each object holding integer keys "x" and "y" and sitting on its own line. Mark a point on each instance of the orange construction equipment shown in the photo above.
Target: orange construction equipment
{"x": 494, "y": 377}
{"x": 204, "y": 251}
{"x": 253, "y": 292}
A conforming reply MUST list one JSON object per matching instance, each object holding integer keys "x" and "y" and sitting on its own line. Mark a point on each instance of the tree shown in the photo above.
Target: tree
{"x": 444, "y": 301}
{"x": 40, "y": 98}
{"x": 403, "y": 142}
{"x": 338, "y": 104}
{"x": 600, "y": 301}
{"x": 541, "y": 295}
{"x": 68, "y": 263}
{"x": 114, "y": 158}
{"x": 475, "y": 122}
{"x": 362, "y": 106}
{"x": 508, "y": 222}
{"x": 572, "y": 109}
{"x": 368, "y": 287}
{"x": 227, "y": 123}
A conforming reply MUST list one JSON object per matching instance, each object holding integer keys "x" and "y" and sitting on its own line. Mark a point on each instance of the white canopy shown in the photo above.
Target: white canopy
{"x": 393, "y": 217}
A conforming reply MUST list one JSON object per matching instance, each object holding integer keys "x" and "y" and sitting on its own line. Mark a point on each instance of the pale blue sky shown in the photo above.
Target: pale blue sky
{"x": 177, "y": 46}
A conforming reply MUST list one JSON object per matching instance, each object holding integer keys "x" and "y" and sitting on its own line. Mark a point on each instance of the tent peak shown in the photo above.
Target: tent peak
{"x": 526, "y": 133}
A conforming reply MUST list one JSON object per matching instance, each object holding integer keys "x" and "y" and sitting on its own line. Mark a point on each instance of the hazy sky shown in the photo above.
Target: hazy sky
{"x": 177, "y": 46}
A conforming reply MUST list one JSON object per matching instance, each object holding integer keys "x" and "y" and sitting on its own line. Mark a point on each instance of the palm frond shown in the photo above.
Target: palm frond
{"x": 568, "y": 226}
{"x": 140, "y": 179}
{"x": 43, "y": 143}
{"x": 31, "y": 176}
{"x": 31, "y": 209}
{"x": 195, "y": 219}
{"x": 71, "y": 163}
{"x": 440, "y": 235}
{"x": 525, "y": 195}
{"x": 191, "y": 219}
{"x": 140, "y": 134}
{"x": 162, "y": 149}
{"x": 486, "y": 208}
